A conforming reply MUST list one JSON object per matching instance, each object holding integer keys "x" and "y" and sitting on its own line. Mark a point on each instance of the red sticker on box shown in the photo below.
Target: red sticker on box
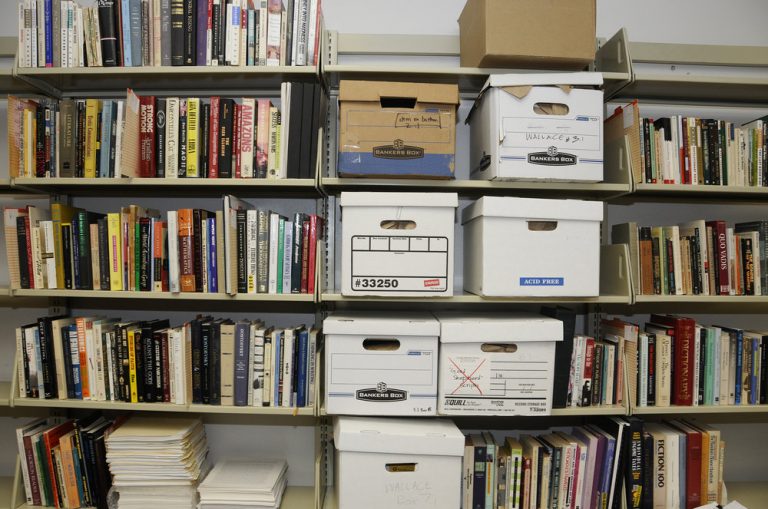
{"x": 431, "y": 282}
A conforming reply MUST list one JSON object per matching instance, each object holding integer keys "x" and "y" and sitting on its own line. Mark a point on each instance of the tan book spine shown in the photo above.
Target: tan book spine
{"x": 95, "y": 270}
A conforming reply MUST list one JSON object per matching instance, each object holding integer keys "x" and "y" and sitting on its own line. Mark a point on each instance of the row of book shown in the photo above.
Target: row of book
{"x": 612, "y": 463}
{"x": 172, "y": 137}
{"x": 63, "y": 462}
{"x": 697, "y": 258}
{"x": 682, "y": 362}
{"x": 690, "y": 150}
{"x": 204, "y": 361}
{"x": 239, "y": 249}
{"x": 135, "y": 33}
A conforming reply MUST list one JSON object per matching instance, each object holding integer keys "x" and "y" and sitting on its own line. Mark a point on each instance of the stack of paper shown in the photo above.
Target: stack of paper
{"x": 244, "y": 484}
{"x": 157, "y": 462}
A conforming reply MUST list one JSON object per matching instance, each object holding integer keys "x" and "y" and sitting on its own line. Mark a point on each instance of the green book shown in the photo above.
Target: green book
{"x": 280, "y": 253}
{"x": 709, "y": 367}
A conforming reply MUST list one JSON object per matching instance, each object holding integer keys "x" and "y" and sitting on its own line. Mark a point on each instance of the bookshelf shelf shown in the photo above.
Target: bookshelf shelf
{"x": 707, "y": 409}
{"x": 749, "y": 494}
{"x": 590, "y": 411}
{"x": 330, "y": 499}
{"x": 93, "y": 80}
{"x": 686, "y": 87}
{"x": 298, "y": 497}
{"x": 470, "y": 299}
{"x": 250, "y": 410}
{"x": 5, "y": 394}
{"x": 701, "y": 299}
{"x": 709, "y": 193}
{"x": 98, "y": 294}
{"x": 6, "y": 490}
{"x": 9, "y": 84}
{"x": 162, "y": 187}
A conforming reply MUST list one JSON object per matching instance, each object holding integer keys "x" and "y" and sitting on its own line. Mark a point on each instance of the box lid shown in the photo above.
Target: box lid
{"x": 398, "y": 322}
{"x": 539, "y": 79}
{"x": 350, "y": 90}
{"x": 433, "y": 437}
{"x": 533, "y": 208}
{"x": 494, "y": 328}
{"x": 399, "y": 199}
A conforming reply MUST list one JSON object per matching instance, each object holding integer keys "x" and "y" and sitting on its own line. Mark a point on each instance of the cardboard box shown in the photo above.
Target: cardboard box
{"x": 538, "y": 127}
{"x": 381, "y": 364}
{"x": 401, "y": 130}
{"x": 528, "y": 247}
{"x": 543, "y": 34}
{"x": 397, "y": 244}
{"x": 386, "y": 463}
{"x": 497, "y": 364}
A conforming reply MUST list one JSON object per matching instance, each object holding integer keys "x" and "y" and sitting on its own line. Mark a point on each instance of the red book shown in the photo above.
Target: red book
{"x": 720, "y": 263}
{"x": 304, "y": 257}
{"x": 29, "y": 250}
{"x": 693, "y": 488}
{"x": 29, "y": 455}
{"x": 315, "y": 232}
{"x": 213, "y": 142}
{"x": 684, "y": 357}
{"x": 147, "y": 167}
{"x": 589, "y": 370}
{"x": 51, "y": 439}
{"x": 237, "y": 132}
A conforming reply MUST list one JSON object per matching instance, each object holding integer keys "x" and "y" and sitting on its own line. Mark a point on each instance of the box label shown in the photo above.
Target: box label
{"x": 399, "y": 264}
{"x": 552, "y": 157}
{"x": 542, "y": 281}
{"x": 381, "y": 394}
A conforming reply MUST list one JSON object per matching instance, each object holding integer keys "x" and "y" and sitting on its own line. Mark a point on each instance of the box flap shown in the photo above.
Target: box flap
{"x": 533, "y": 208}
{"x": 542, "y": 79}
{"x": 375, "y": 90}
{"x": 433, "y": 437}
{"x": 494, "y": 328}
{"x": 399, "y": 199}
{"x": 396, "y": 323}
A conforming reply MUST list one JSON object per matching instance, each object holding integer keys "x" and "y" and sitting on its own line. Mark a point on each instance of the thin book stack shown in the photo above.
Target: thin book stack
{"x": 692, "y": 151}
{"x": 245, "y": 484}
{"x": 239, "y": 249}
{"x": 204, "y": 361}
{"x": 167, "y": 137}
{"x": 697, "y": 258}
{"x": 153, "y": 33}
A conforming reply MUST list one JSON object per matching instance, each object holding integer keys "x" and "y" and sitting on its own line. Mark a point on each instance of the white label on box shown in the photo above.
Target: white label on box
{"x": 579, "y": 133}
{"x": 473, "y": 379}
{"x": 397, "y": 263}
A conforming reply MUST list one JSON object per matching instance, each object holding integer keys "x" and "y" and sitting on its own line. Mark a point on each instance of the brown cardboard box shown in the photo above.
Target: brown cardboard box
{"x": 403, "y": 130}
{"x": 551, "y": 34}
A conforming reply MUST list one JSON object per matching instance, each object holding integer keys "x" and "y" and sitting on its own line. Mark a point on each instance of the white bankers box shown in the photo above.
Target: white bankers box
{"x": 528, "y": 247}
{"x": 538, "y": 127}
{"x": 387, "y": 463}
{"x": 397, "y": 244}
{"x": 381, "y": 364}
{"x": 497, "y": 364}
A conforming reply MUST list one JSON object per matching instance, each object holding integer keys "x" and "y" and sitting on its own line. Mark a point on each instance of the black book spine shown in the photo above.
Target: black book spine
{"x": 563, "y": 352}
{"x": 83, "y": 455}
{"x": 205, "y": 363}
{"x": 297, "y": 254}
{"x": 177, "y": 32}
{"x": 652, "y": 369}
{"x": 160, "y": 138}
{"x": 205, "y": 134}
{"x": 214, "y": 362}
{"x": 145, "y": 284}
{"x": 196, "y": 333}
{"x": 138, "y": 353}
{"x": 124, "y": 366}
{"x": 84, "y": 251}
{"x": 648, "y": 467}
{"x": 182, "y": 138}
{"x": 66, "y": 249}
{"x": 107, "y": 21}
{"x": 80, "y": 142}
{"x": 479, "y": 473}
{"x": 113, "y": 349}
{"x": 714, "y": 145}
{"x": 21, "y": 236}
{"x": 104, "y": 478}
{"x": 197, "y": 247}
{"x": 294, "y": 131}
{"x": 319, "y": 107}
{"x": 157, "y": 343}
{"x": 189, "y": 32}
{"x": 634, "y": 466}
{"x": 75, "y": 245}
{"x": 242, "y": 271}
{"x": 763, "y": 370}
{"x": 113, "y": 139}
{"x": 104, "y": 272}
{"x": 148, "y": 347}
{"x": 226, "y": 114}
{"x": 747, "y": 267}
{"x": 307, "y": 107}
{"x": 707, "y": 162}
{"x": 40, "y": 141}
{"x": 215, "y": 30}
{"x": 67, "y": 352}
{"x": 46, "y": 360}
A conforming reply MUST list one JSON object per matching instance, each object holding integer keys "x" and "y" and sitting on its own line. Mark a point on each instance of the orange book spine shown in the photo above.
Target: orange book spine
{"x": 84, "y": 378}
{"x": 157, "y": 255}
{"x": 186, "y": 251}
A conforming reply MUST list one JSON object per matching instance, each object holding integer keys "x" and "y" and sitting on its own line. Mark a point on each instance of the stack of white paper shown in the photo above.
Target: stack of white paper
{"x": 244, "y": 484}
{"x": 157, "y": 462}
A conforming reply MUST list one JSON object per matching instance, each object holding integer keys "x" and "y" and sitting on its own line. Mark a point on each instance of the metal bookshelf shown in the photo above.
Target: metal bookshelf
{"x": 700, "y": 410}
{"x": 183, "y": 296}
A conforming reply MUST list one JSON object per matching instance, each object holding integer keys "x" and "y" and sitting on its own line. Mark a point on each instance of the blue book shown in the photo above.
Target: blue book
{"x": 301, "y": 369}
{"x": 126, "y": 20}
{"x": 135, "y": 21}
{"x": 251, "y": 56}
{"x": 201, "y": 47}
{"x": 739, "y": 365}
{"x": 213, "y": 268}
{"x": 48, "y": 13}
{"x": 106, "y": 134}
{"x": 78, "y": 478}
{"x": 242, "y": 353}
{"x": 74, "y": 349}
{"x": 277, "y": 365}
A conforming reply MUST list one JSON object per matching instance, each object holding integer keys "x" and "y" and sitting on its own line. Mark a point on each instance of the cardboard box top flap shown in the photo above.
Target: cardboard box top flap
{"x": 379, "y": 324}
{"x": 373, "y": 91}
{"x": 488, "y": 328}
{"x": 433, "y": 437}
{"x": 533, "y": 208}
{"x": 575, "y": 79}
{"x": 399, "y": 199}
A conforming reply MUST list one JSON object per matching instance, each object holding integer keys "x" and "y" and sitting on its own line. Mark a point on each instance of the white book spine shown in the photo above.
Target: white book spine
{"x": 40, "y": 24}
{"x": 579, "y": 347}
{"x": 312, "y": 31}
{"x": 179, "y": 353}
{"x": 249, "y": 367}
{"x": 274, "y": 225}
{"x": 173, "y": 252}
{"x": 251, "y": 228}
{"x": 287, "y": 257}
{"x": 38, "y": 363}
{"x": 46, "y": 231}
{"x": 725, "y": 358}
{"x": 287, "y": 368}
{"x": 209, "y": 36}
{"x": 609, "y": 373}
{"x": 274, "y": 24}
{"x": 258, "y": 367}
{"x": 247, "y": 119}
{"x": 21, "y": 49}
{"x": 172, "y": 139}
{"x": 79, "y": 37}
{"x": 37, "y": 258}
{"x": 262, "y": 35}
{"x": 243, "y": 35}
{"x": 643, "y": 359}
{"x": 295, "y": 32}
{"x": 119, "y": 138}
{"x": 29, "y": 346}
{"x": 172, "y": 361}
{"x": 663, "y": 370}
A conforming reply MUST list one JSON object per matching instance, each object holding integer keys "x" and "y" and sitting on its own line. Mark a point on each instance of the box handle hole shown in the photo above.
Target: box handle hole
{"x": 400, "y": 467}
{"x": 498, "y": 347}
{"x": 542, "y": 226}
{"x": 381, "y": 345}
{"x": 398, "y": 102}
{"x": 551, "y": 109}
{"x": 397, "y": 224}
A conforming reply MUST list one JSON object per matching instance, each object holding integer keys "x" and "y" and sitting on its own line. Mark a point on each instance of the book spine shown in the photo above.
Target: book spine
{"x": 193, "y": 114}
{"x": 182, "y": 172}
{"x": 147, "y": 136}
{"x": 213, "y": 247}
{"x": 296, "y": 258}
{"x": 213, "y": 139}
{"x": 166, "y": 32}
{"x": 177, "y": 32}
{"x": 226, "y": 118}
{"x": 201, "y": 32}
{"x": 186, "y": 251}
{"x": 197, "y": 243}
{"x": 161, "y": 118}
{"x": 189, "y": 32}
{"x": 242, "y": 354}
{"x": 301, "y": 369}
{"x": 305, "y": 241}
{"x": 262, "y": 261}
{"x": 236, "y": 133}
{"x": 242, "y": 239}
{"x": 205, "y": 135}
{"x": 107, "y": 25}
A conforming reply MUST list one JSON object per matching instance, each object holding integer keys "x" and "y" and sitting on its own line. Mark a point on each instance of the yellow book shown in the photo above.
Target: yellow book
{"x": 60, "y": 213}
{"x": 193, "y": 116}
{"x": 132, "y": 365}
{"x": 115, "y": 240}
{"x": 91, "y": 136}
